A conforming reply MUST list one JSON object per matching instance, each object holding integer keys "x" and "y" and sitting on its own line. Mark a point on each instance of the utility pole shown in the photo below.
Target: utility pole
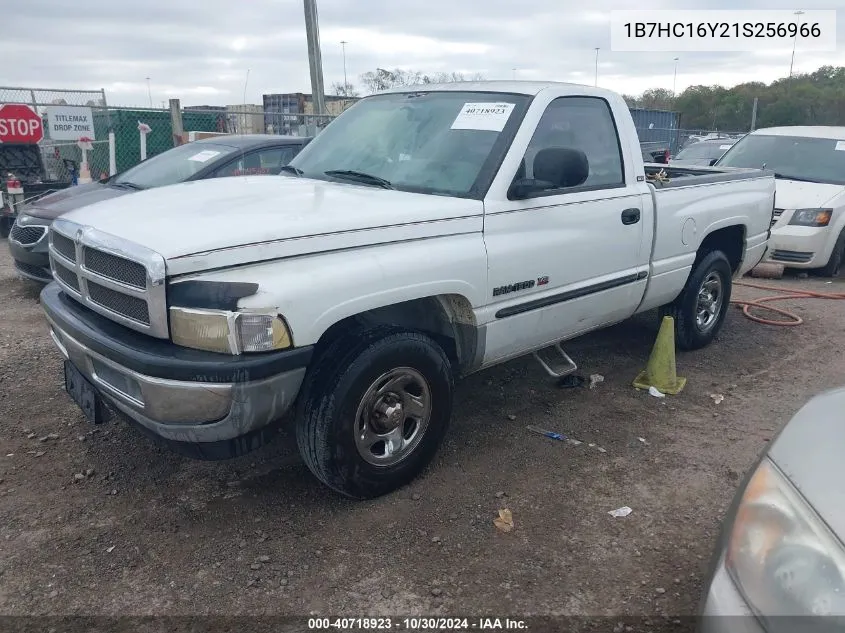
{"x": 246, "y": 82}
{"x": 596, "y": 83}
{"x": 315, "y": 60}
{"x": 675, "y": 78}
{"x": 343, "y": 44}
{"x": 795, "y": 41}
{"x": 754, "y": 115}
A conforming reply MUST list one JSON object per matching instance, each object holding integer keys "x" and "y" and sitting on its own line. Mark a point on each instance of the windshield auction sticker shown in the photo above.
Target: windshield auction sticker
{"x": 204, "y": 156}
{"x": 483, "y": 116}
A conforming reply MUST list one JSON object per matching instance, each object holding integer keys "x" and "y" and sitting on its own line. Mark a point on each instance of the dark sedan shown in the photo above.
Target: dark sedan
{"x": 216, "y": 157}
{"x": 703, "y": 153}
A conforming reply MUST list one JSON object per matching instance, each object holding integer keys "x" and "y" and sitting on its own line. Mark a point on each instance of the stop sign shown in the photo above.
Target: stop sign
{"x": 19, "y": 123}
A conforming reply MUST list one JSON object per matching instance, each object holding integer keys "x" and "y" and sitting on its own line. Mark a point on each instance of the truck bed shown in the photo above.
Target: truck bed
{"x": 687, "y": 176}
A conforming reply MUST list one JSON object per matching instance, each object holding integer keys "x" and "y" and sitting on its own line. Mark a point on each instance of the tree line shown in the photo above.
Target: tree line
{"x": 816, "y": 98}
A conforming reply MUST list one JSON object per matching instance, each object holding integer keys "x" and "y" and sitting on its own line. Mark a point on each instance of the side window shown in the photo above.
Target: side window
{"x": 266, "y": 161}
{"x": 582, "y": 124}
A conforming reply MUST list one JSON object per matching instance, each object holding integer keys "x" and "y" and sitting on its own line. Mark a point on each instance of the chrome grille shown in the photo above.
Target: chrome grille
{"x": 132, "y": 307}
{"x": 27, "y": 235}
{"x": 119, "y": 279}
{"x": 115, "y": 268}
{"x": 66, "y": 275}
{"x": 63, "y": 245}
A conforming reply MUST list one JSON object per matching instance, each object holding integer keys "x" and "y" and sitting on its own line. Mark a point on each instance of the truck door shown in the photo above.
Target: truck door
{"x": 574, "y": 256}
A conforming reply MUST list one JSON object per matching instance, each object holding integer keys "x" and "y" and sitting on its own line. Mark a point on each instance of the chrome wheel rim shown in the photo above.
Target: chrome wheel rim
{"x": 709, "y": 305}
{"x": 392, "y": 416}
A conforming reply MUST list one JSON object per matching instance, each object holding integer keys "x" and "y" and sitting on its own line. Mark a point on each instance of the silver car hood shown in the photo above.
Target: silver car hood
{"x": 811, "y": 452}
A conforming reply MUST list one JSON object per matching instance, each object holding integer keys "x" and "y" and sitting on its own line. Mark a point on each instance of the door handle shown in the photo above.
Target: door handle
{"x": 630, "y": 216}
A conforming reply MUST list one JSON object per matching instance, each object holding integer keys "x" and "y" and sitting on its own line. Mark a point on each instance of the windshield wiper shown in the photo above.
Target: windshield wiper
{"x": 290, "y": 169}
{"x": 359, "y": 176}
{"x": 125, "y": 184}
{"x": 780, "y": 176}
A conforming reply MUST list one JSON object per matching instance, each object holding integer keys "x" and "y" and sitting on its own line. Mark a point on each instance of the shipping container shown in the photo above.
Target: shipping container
{"x": 657, "y": 126}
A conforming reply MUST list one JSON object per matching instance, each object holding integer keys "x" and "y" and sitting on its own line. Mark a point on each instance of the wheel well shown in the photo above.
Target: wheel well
{"x": 730, "y": 240}
{"x": 448, "y": 319}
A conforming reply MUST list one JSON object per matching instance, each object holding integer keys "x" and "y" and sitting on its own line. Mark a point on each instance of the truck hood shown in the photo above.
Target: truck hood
{"x": 794, "y": 194}
{"x": 52, "y": 206}
{"x": 809, "y": 452}
{"x": 227, "y": 221}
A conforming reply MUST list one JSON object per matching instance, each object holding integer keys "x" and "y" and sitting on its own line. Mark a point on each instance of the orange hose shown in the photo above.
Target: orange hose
{"x": 760, "y": 303}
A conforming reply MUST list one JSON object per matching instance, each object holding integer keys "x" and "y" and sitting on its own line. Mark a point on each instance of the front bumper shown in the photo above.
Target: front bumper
{"x": 32, "y": 260}
{"x": 218, "y": 404}
{"x": 801, "y": 246}
{"x": 725, "y": 610}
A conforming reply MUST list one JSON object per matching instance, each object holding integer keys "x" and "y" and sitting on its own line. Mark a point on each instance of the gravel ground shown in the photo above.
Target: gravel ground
{"x": 102, "y": 521}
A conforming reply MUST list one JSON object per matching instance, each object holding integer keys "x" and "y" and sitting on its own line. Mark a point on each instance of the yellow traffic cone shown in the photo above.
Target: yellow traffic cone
{"x": 660, "y": 370}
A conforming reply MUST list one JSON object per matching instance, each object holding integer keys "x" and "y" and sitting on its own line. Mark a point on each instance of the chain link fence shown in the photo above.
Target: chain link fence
{"x": 119, "y": 142}
{"x": 674, "y": 140}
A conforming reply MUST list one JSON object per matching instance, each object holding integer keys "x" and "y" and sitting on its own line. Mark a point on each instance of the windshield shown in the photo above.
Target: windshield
{"x": 791, "y": 157}
{"x": 174, "y": 165}
{"x": 703, "y": 150}
{"x": 448, "y": 143}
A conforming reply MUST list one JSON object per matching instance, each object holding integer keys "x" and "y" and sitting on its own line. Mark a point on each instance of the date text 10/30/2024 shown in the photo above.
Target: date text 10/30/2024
{"x": 416, "y": 624}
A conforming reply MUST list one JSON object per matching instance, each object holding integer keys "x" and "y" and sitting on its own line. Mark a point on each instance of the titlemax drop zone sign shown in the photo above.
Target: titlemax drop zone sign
{"x": 69, "y": 123}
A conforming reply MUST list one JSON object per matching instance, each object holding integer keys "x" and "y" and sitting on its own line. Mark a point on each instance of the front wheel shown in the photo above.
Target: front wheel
{"x": 6, "y": 226}
{"x": 834, "y": 264}
{"x": 702, "y": 306}
{"x": 374, "y": 411}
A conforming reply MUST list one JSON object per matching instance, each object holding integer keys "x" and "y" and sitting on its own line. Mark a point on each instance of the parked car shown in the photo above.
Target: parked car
{"x": 249, "y": 154}
{"x": 808, "y": 227}
{"x": 702, "y": 154}
{"x": 779, "y": 563}
{"x": 655, "y": 152}
{"x": 425, "y": 234}
{"x": 23, "y": 178}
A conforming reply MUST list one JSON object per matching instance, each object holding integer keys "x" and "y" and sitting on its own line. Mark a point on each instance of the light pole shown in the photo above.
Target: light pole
{"x": 675, "y": 78}
{"x": 343, "y": 44}
{"x": 315, "y": 60}
{"x": 596, "y": 82}
{"x": 795, "y": 41}
{"x": 246, "y": 82}
{"x": 149, "y": 93}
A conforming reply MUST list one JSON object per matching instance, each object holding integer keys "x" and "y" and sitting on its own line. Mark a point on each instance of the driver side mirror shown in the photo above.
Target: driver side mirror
{"x": 713, "y": 161}
{"x": 522, "y": 188}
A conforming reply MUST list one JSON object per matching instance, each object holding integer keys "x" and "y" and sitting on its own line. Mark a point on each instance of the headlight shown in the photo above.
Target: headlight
{"x": 811, "y": 217}
{"x": 781, "y": 555}
{"x": 228, "y": 332}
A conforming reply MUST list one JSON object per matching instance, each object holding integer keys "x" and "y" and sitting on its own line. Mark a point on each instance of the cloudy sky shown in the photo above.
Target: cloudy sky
{"x": 200, "y": 50}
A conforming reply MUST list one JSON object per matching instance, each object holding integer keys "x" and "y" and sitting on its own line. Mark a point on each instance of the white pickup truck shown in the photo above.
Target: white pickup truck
{"x": 425, "y": 234}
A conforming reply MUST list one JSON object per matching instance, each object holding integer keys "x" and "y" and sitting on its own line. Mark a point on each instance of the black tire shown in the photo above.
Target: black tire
{"x": 6, "y": 226}
{"x": 330, "y": 399}
{"x": 688, "y": 334}
{"x": 834, "y": 264}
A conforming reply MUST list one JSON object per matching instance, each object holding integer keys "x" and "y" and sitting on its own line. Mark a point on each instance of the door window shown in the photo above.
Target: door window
{"x": 584, "y": 124}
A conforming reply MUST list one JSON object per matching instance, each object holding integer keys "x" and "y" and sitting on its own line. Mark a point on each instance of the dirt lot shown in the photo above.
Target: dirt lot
{"x": 149, "y": 532}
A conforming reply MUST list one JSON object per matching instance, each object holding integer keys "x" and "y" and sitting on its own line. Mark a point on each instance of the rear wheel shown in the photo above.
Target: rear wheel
{"x": 834, "y": 264}
{"x": 702, "y": 306}
{"x": 374, "y": 411}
